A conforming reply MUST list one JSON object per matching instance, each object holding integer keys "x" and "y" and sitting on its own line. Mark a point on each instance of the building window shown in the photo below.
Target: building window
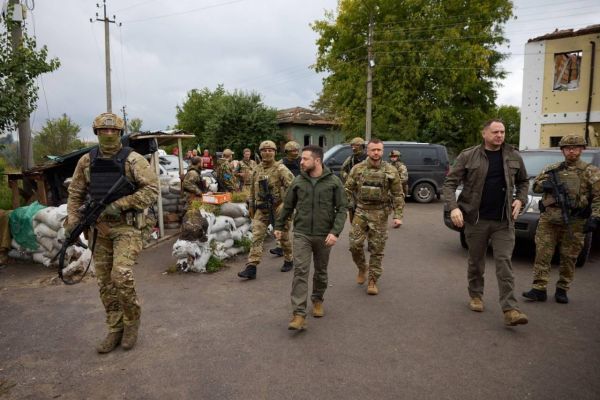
{"x": 554, "y": 140}
{"x": 307, "y": 140}
{"x": 322, "y": 141}
{"x": 567, "y": 69}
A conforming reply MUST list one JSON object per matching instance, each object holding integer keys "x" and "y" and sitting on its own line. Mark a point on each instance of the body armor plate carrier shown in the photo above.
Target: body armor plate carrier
{"x": 104, "y": 172}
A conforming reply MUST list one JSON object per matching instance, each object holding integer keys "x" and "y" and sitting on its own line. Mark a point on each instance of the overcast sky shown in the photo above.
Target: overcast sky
{"x": 166, "y": 48}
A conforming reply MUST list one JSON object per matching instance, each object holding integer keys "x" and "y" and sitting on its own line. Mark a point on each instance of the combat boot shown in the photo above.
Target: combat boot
{"x": 317, "y": 310}
{"x": 109, "y": 343}
{"x": 561, "y": 296}
{"x": 535, "y": 295}
{"x": 476, "y": 304}
{"x": 130, "y": 335}
{"x": 297, "y": 323}
{"x": 249, "y": 272}
{"x": 277, "y": 251}
{"x": 287, "y": 266}
{"x": 362, "y": 276}
{"x": 514, "y": 317}
{"x": 372, "y": 288}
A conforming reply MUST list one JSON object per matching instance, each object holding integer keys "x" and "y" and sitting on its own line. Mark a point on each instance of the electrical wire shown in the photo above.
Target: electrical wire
{"x": 135, "y": 5}
{"x": 185, "y": 12}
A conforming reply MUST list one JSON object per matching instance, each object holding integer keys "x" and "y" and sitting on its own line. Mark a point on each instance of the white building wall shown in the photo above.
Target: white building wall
{"x": 533, "y": 88}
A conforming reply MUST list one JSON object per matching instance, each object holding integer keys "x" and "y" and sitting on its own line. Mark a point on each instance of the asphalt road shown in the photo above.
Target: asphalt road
{"x": 215, "y": 337}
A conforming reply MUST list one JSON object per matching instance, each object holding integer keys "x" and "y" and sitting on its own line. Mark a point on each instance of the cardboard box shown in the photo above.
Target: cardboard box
{"x": 216, "y": 198}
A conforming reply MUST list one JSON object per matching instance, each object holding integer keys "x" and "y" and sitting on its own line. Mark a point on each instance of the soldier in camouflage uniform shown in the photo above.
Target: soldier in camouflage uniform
{"x": 244, "y": 170}
{"x": 374, "y": 188}
{"x": 225, "y": 172}
{"x": 279, "y": 179}
{"x": 582, "y": 182}
{"x": 119, "y": 238}
{"x": 193, "y": 184}
{"x": 402, "y": 170}
{"x": 358, "y": 155}
{"x": 292, "y": 162}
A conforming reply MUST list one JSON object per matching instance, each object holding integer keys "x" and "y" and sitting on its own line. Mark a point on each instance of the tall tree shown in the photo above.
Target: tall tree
{"x": 135, "y": 125}
{"x": 18, "y": 70}
{"x": 435, "y": 66}
{"x": 220, "y": 119}
{"x": 57, "y": 137}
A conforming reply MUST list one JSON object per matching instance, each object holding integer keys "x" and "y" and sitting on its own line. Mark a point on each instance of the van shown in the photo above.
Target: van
{"x": 427, "y": 165}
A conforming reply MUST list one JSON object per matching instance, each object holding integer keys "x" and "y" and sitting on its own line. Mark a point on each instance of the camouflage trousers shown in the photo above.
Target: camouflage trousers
{"x": 260, "y": 222}
{"x": 547, "y": 236}
{"x": 372, "y": 226}
{"x": 114, "y": 257}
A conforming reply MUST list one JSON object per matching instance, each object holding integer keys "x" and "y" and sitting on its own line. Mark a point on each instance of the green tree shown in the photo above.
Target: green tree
{"x": 57, "y": 137}
{"x": 220, "y": 119}
{"x": 135, "y": 125}
{"x": 511, "y": 116}
{"x": 18, "y": 70}
{"x": 435, "y": 66}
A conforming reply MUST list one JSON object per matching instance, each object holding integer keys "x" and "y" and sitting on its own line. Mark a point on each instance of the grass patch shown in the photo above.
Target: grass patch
{"x": 245, "y": 243}
{"x": 214, "y": 264}
{"x": 239, "y": 197}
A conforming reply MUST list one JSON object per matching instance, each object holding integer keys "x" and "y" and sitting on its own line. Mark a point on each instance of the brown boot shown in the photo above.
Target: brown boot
{"x": 317, "y": 310}
{"x": 130, "y": 335}
{"x": 514, "y": 317}
{"x": 109, "y": 343}
{"x": 476, "y": 304}
{"x": 297, "y": 323}
{"x": 372, "y": 288}
{"x": 362, "y": 276}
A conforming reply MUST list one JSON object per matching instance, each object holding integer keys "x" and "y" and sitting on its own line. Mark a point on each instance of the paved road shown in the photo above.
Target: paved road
{"x": 214, "y": 337}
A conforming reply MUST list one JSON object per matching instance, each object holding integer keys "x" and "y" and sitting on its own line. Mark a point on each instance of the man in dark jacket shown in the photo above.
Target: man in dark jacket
{"x": 495, "y": 186}
{"x": 318, "y": 197}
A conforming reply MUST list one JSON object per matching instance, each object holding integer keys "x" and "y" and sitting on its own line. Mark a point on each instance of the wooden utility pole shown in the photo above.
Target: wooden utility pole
{"x": 24, "y": 127}
{"x": 370, "y": 64}
{"x": 107, "y": 21}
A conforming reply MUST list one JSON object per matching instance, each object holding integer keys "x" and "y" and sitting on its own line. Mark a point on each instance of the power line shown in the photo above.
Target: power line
{"x": 185, "y": 12}
{"x": 135, "y": 5}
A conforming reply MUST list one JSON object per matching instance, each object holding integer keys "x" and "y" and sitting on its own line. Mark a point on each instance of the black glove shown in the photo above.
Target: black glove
{"x": 591, "y": 224}
{"x": 547, "y": 187}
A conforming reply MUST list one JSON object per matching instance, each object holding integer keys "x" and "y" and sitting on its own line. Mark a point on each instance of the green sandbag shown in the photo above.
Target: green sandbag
{"x": 21, "y": 225}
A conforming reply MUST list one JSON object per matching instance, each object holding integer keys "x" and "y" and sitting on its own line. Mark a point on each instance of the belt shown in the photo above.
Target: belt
{"x": 371, "y": 206}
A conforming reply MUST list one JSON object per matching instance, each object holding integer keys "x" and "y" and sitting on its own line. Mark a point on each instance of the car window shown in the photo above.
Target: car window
{"x": 420, "y": 156}
{"x": 340, "y": 156}
{"x": 536, "y": 161}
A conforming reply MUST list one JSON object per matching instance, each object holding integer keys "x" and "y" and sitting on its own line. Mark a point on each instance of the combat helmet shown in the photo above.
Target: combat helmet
{"x": 357, "y": 140}
{"x": 267, "y": 144}
{"x": 572, "y": 140}
{"x": 291, "y": 146}
{"x": 227, "y": 152}
{"x": 108, "y": 121}
{"x": 395, "y": 153}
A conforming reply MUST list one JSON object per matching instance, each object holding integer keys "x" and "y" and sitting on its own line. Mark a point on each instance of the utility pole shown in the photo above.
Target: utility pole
{"x": 106, "y": 21}
{"x": 370, "y": 64}
{"x": 24, "y": 127}
{"x": 124, "y": 118}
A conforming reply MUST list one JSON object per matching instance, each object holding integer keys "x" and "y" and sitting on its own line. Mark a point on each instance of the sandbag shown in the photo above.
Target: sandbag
{"x": 222, "y": 235}
{"x": 234, "y": 210}
{"x": 21, "y": 227}
{"x": 233, "y": 251}
{"x": 222, "y": 222}
{"x": 53, "y": 217}
{"x": 239, "y": 221}
{"x": 42, "y": 230}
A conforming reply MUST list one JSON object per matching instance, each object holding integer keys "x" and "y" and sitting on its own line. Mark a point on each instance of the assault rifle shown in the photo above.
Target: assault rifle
{"x": 90, "y": 212}
{"x": 560, "y": 194}
{"x": 268, "y": 199}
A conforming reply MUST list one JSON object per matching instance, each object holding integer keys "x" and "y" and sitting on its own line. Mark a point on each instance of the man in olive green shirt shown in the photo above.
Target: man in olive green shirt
{"x": 318, "y": 197}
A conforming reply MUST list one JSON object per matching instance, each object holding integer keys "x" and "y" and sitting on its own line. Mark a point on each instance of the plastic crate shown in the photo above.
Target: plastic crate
{"x": 216, "y": 198}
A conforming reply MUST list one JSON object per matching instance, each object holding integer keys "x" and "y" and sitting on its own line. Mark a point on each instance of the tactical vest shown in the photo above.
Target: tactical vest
{"x": 292, "y": 165}
{"x": 373, "y": 186}
{"x": 104, "y": 172}
{"x": 355, "y": 159}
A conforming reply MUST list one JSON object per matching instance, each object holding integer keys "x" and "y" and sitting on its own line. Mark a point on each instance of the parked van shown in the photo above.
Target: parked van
{"x": 427, "y": 165}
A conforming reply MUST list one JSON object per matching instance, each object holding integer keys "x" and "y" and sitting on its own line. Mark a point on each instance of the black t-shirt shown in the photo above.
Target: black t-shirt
{"x": 493, "y": 198}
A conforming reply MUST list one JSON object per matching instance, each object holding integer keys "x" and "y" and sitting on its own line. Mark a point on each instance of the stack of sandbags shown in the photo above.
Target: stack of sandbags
{"x": 172, "y": 202}
{"x": 224, "y": 234}
{"x": 50, "y": 235}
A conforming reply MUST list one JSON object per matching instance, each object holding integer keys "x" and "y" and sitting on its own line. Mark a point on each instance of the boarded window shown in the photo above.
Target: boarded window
{"x": 567, "y": 70}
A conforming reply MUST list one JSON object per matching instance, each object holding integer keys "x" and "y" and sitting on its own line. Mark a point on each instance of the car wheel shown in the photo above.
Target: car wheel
{"x": 423, "y": 192}
{"x": 463, "y": 240}
{"x": 585, "y": 251}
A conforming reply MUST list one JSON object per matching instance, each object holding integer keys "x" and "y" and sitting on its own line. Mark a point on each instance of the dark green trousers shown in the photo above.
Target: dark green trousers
{"x": 305, "y": 248}
{"x": 502, "y": 238}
